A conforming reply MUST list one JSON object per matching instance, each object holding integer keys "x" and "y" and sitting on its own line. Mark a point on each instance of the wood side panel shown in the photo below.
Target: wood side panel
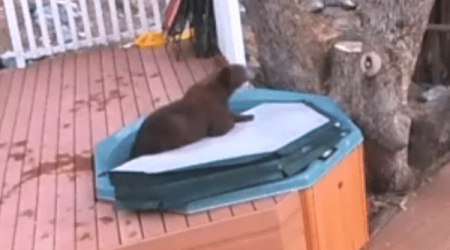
{"x": 353, "y": 207}
{"x": 219, "y": 214}
{"x": 292, "y": 232}
{"x": 242, "y": 209}
{"x": 265, "y": 204}
{"x": 225, "y": 230}
{"x": 261, "y": 241}
{"x": 329, "y": 213}
{"x": 288, "y": 205}
{"x": 310, "y": 220}
{"x": 362, "y": 236}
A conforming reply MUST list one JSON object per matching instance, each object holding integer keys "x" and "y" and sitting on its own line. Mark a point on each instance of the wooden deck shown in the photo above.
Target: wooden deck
{"x": 52, "y": 114}
{"x": 425, "y": 223}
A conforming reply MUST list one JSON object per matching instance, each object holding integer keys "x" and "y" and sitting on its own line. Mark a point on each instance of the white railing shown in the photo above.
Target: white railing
{"x": 44, "y": 27}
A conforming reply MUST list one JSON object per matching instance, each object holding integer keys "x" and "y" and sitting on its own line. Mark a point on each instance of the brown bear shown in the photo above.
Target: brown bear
{"x": 202, "y": 112}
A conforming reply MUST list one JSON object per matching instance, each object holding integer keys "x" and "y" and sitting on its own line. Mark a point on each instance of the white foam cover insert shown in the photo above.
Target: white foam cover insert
{"x": 274, "y": 126}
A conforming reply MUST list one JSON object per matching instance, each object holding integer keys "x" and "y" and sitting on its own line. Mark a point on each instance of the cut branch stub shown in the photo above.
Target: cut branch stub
{"x": 349, "y": 46}
{"x": 370, "y": 64}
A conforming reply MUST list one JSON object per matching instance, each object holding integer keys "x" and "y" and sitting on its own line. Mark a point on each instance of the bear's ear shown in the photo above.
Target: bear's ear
{"x": 232, "y": 76}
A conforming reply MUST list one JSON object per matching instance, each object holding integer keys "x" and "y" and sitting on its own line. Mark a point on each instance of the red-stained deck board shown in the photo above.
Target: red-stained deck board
{"x": 85, "y": 223}
{"x": 5, "y": 87}
{"x": 123, "y": 80}
{"x": 7, "y": 129}
{"x": 154, "y": 79}
{"x": 10, "y": 194}
{"x": 129, "y": 225}
{"x": 29, "y": 182}
{"x": 168, "y": 74}
{"x": 65, "y": 172}
{"x": 139, "y": 82}
{"x": 46, "y": 199}
{"x": 106, "y": 220}
{"x": 182, "y": 71}
{"x": 151, "y": 223}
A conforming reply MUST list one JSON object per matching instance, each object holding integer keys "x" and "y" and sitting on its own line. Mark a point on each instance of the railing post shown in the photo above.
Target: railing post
{"x": 14, "y": 32}
{"x": 47, "y": 45}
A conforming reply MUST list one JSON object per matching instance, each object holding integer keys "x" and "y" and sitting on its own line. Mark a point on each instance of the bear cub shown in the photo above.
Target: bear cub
{"x": 202, "y": 112}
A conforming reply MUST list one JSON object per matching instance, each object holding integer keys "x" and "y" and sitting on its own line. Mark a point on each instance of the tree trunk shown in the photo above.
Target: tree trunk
{"x": 363, "y": 58}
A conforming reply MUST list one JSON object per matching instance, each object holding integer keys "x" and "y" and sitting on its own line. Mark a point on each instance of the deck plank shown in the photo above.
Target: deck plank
{"x": 177, "y": 72}
{"x": 194, "y": 63}
{"x": 151, "y": 222}
{"x": 6, "y": 133}
{"x": 45, "y": 219}
{"x": 198, "y": 72}
{"x": 5, "y": 87}
{"x": 186, "y": 79}
{"x": 200, "y": 68}
{"x": 173, "y": 222}
{"x": 126, "y": 91}
{"x": 154, "y": 79}
{"x": 129, "y": 225}
{"x": 80, "y": 99}
{"x": 114, "y": 118}
{"x": 107, "y": 229}
{"x": 168, "y": 75}
{"x": 25, "y": 228}
{"x": 11, "y": 187}
{"x": 85, "y": 223}
{"x": 65, "y": 173}
{"x": 139, "y": 82}
{"x": 182, "y": 70}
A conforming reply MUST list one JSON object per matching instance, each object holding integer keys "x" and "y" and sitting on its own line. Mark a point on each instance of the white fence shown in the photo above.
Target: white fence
{"x": 44, "y": 27}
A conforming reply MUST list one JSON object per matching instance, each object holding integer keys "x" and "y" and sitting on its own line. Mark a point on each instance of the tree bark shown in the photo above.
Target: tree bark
{"x": 333, "y": 52}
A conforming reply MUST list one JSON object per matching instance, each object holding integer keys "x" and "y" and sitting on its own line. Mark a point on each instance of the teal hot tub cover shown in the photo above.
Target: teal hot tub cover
{"x": 192, "y": 183}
